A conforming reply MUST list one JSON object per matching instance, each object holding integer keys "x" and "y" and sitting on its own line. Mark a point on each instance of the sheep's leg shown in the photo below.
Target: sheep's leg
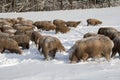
{"x": 107, "y": 56}
{"x": 1, "y": 50}
{"x": 85, "y": 56}
{"x": 53, "y": 53}
{"x": 113, "y": 54}
{"x": 74, "y": 59}
{"x": 46, "y": 57}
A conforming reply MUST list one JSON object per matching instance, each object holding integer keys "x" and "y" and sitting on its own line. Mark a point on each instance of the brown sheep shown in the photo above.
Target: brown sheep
{"x": 93, "y": 22}
{"x": 5, "y": 21}
{"x": 116, "y": 48}
{"x": 26, "y": 22}
{"x": 50, "y": 45}
{"x": 61, "y": 26}
{"x": 38, "y": 24}
{"x": 19, "y": 32}
{"x": 22, "y": 40}
{"x": 4, "y": 34}
{"x": 29, "y": 33}
{"x": 8, "y": 29}
{"x": 24, "y": 28}
{"x": 73, "y": 23}
{"x": 20, "y": 19}
{"x": 40, "y": 42}
{"x": 45, "y": 25}
{"x": 35, "y": 36}
{"x": 12, "y": 21}
{"x": 108, "y": 31}
{"x": 90, "y": 34}
{"x": 9, "y": 44}
{"x": 95, "y": 47}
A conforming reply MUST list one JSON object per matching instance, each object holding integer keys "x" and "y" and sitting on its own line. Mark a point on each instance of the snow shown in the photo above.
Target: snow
{"x": 31, "y": 66}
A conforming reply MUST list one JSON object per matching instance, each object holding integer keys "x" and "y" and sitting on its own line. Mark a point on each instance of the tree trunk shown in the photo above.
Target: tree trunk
{"x": 108, "y": 3}
{"x": 61, "y": 4}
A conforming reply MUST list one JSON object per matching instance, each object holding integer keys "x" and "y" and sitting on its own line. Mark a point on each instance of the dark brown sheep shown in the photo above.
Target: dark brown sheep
{"x": 38, "y": 24}
{"x": 116, "y": 48}
{"x": 61, "y": 26}
{"x": 50, "y": 45}
{"x": 73, "y": 23}
{"x": 93, "y": 22}
{"x": 22, "y": 40}
{"x": 108, "y": 31}
{"x": 9, "y": 44}
{"x": 90, "y": 34}
{"x": 95, "y": 47}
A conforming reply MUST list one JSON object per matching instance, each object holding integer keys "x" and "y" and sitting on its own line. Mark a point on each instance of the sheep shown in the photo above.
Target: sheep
{"x": 61, "y": 26}
{"x": 7, "y": 43}
{"x": 22, "y": 40}
{"x": 90, "y": 34}
{"x": 93, "y": 22}
{"x": 24, "y": 28}
{"x": 73, "y": 23}
{"x": 35, "y": 36}
{"x": 95, "y": 47}
{"x": 45, "y": 25}
{"x": 116, "y": 48}
{"x": 108, "y": 31}
{"x": 50, "y": 45}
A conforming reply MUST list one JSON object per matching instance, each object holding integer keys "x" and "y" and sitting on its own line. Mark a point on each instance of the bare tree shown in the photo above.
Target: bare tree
{"x": 40, "y": 5}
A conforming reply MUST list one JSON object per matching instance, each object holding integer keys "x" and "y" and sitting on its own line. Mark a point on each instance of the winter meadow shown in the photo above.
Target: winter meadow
{"x": 30, "y": 65}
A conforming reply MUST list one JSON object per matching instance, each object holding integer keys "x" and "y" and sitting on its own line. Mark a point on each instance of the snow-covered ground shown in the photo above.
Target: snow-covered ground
{"x": 31, "y": 66}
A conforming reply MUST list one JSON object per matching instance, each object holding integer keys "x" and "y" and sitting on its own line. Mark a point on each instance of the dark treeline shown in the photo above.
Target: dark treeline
{"x": 50, "y": 5}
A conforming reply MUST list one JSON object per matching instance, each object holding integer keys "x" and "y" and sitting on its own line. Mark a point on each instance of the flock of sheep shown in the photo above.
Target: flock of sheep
{"x": 17, "y": 32}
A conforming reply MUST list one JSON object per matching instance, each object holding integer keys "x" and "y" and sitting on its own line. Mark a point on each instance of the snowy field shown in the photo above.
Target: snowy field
{"x": 31, "y": 66}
